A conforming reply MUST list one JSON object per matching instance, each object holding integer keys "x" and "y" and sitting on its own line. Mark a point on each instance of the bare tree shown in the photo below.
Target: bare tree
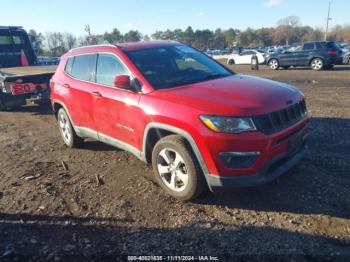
{"x": 70, "y": 40}
{"x": 292, "y": 21}
{"x": 55, "y": 43}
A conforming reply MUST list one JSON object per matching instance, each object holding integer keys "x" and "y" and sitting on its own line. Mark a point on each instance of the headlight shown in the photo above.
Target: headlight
{"x": 228, "y": 124}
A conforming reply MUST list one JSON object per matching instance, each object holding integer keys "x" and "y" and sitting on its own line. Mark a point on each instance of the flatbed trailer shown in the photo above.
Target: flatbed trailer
{"x": 19, "y": 84}
{"x": 21, "y": 78}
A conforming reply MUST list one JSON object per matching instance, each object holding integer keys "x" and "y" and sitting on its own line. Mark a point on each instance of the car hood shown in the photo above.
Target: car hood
{"x": 235, "y": 95}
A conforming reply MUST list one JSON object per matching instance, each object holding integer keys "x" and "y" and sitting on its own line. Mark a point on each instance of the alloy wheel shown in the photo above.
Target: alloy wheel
{"x": 172, "y": 169}
{"x": 65, "y": 128}
{"x": 273, "y": 64}
{"x": 317, "y": 64}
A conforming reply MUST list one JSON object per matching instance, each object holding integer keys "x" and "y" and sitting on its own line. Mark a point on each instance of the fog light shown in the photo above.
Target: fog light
{"x": 239, "y": 159}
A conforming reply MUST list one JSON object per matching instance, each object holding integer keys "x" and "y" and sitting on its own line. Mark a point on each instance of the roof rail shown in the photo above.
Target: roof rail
{"x": 87, "y": 46}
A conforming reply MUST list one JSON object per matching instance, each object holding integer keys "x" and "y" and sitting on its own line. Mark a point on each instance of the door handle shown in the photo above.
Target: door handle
{"x": 66, "y": 85}
{"x": 96, "y": 94}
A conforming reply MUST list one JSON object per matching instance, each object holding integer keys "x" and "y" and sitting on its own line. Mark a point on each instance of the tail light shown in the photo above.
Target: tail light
{"x": 19, "y": 89}
{"x": 332, "y": 52}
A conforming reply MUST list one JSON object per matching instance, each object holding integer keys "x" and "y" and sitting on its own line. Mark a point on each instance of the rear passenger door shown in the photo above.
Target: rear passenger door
{"x": 114, "y": 108}
{"x": 78, "y": 89}
{"x": 246, "y": 57}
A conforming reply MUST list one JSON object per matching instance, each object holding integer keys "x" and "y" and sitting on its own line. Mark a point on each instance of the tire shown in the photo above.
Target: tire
{"x": 67, "y": 131}
{"x": 176, "y": 168}
{"x": 317, "y": 64}
{"x": 274, "y": 64}
{"x": 231, "y": 62}
{"x": 285, "y": 67}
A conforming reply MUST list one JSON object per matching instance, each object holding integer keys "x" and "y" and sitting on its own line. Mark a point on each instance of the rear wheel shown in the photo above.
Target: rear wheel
{"x": 231, "y": 62}
{"x": 176, "y": 169}
{"x": 274, "y": 64}
{"x": 317, "y": 64}
{"x": 68, "y": 134}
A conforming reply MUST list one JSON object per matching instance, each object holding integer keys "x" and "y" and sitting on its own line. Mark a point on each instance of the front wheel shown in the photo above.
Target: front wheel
{"x": 274, "y": 64}
{"x": 176, "y": 168}
{"x": 317, "y": 64}
{"x": 285, "y": 67}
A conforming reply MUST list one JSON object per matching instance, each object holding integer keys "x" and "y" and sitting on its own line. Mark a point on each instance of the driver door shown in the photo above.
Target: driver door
{"x": 114, "y": 107}
{"x": 287, "y": 58}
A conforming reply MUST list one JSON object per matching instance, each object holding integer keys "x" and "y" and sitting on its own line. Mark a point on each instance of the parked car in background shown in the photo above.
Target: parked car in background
{"x": 245, "y": 57}
{"x": 345, "y": 47}
{"x": 54, "y": 60}
{"x": 317, "y": 55}
{"x": 198, "y": 124}
{"x": 346, "y": 58}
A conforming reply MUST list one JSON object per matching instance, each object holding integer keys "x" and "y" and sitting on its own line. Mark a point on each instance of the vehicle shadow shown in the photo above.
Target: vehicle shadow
{"x": 318, "y": 185}
{"x": 94, "y": 145}
{"x": 25, "y": 236}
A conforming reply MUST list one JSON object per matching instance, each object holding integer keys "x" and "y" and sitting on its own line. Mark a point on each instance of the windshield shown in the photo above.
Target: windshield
{"x": 171, "y": 66}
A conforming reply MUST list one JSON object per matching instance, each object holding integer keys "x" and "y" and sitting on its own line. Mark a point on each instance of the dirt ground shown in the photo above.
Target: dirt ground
{"x": 101, "y": 203}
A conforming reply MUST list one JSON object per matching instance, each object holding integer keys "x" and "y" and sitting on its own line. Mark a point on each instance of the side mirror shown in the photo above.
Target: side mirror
{"x": 122, "y": 81}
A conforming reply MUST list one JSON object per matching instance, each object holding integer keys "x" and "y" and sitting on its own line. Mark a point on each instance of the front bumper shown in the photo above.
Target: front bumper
{"x": 273, "y": 169}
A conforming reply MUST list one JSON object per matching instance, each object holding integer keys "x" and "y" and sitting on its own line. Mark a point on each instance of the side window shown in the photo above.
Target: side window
{"x": 108, "y": 67}
{"x": 18, "y": 40}
{"x": 69, "y": 65}
{"x": 249, "y": 53}
{"x": 320, "y": 45}
{"x": 308, "y": 46}
{"x": 83, "y": 67}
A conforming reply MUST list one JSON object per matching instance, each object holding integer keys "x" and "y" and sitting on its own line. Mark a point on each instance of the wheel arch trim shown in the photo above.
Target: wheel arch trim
{"x": 54, "y": 101}
{"x": 178, "y": 131}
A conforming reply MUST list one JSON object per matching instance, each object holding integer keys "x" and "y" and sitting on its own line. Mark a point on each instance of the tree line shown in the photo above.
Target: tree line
{"x": 288, "y": 31}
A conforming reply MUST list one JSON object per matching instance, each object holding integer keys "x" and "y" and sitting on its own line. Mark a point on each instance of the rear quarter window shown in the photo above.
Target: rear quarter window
{"x": 320, "y": 45}
{"x": 83, "y": 67}
{"x": 308, "y": 46}
{"x": 69, "y": 65}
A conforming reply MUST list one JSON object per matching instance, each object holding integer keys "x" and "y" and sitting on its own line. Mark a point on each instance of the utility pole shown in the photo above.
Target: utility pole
{"x": 88, "y": 29}
{"x": 327, "y": 21}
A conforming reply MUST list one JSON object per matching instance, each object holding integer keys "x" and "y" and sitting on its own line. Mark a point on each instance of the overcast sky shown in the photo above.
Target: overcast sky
{"x": 148, "y": 16}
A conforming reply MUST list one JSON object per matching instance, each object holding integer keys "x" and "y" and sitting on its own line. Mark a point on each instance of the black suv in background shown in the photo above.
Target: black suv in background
{"x": 318, "y": 55}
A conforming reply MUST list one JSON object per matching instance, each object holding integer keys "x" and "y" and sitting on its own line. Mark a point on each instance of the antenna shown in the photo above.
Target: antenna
{"x": 327, "y": 21}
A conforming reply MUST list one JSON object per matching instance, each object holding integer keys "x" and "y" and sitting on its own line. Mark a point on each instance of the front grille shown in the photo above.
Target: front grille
{"x": 279, "y": 120}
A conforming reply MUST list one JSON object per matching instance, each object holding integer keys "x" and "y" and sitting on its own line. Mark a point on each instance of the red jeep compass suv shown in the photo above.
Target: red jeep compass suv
{"x": 198, "y": 123}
